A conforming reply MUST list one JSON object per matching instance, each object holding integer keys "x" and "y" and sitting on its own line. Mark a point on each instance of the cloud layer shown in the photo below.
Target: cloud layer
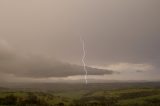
{"x": 38, "y": 66}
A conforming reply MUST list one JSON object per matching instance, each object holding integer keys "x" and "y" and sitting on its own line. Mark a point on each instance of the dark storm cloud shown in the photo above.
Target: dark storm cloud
{"x": 42, "y": 67}
{"x": 38, "y": 66}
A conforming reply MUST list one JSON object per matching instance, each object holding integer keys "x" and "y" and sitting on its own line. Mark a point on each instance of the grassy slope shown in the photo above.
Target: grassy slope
{"x": 126, "y": 97}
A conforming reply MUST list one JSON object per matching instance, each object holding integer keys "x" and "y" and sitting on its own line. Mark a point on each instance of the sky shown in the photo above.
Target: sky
{"x": 40, "y": 40}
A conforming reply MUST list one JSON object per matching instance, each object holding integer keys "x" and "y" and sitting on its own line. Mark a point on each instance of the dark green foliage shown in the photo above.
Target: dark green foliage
{"x": 132, "y": 95}
{"x": 9, "y": 100}
{"x": 60, "y": 104}
{"x": 96, "y": 101}
{"x": 30, "y": 100}
{"x": 152, "y": 102}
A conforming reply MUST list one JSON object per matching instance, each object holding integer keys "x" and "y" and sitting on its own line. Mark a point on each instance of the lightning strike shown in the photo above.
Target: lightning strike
{"x": 83, "y": 59}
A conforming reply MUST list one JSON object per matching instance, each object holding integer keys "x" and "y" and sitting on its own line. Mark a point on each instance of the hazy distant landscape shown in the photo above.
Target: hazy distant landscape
{"x": 95, "y": 94}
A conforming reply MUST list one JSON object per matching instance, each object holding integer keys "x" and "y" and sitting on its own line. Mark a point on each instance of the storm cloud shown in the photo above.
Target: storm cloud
{"x": 120, "y": 35}
{"x": 39, "y": 66}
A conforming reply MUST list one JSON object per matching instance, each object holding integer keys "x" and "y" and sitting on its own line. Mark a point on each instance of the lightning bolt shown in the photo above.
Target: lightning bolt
{"x": 83, "y": 59}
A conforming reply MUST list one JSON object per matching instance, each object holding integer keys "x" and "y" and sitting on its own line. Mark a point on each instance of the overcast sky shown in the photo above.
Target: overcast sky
{"x": 40, "y": 40}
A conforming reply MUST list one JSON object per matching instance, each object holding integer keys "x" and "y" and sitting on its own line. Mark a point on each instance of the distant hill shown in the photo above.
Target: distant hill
{"x": 79, "y": 86}
{"x": 3, "y": 88}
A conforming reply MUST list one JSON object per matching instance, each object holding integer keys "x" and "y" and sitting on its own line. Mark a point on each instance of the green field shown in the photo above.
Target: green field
{"x": 116, "y": 97}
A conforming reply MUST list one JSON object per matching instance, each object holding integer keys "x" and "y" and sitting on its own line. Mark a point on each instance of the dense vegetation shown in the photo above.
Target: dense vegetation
{"x": 117, "y": 97}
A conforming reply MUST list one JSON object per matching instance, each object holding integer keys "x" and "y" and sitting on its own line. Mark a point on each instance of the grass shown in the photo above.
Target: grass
{"x": 121, "y": 97}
